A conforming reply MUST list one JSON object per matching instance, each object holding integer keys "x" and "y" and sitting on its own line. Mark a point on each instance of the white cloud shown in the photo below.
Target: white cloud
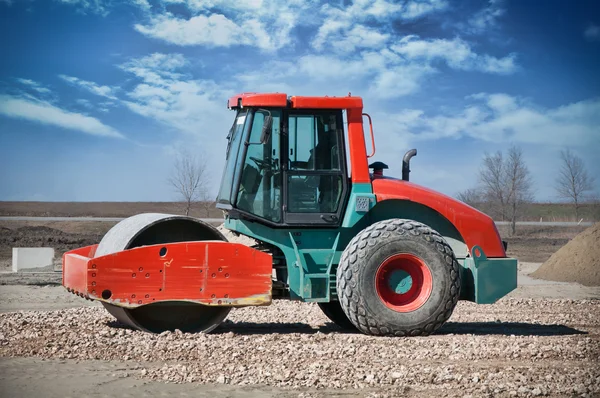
{"x": 592, "y": 33}
{"x": 330, "y": 27}
{"x": 7, "y": 2}
{"x": 85, "y": 103}
{"x": 456, "y": 53}
{"x": 94, "y": 88}
{"x": 34, "y": 85}
{"x": 156, "y": 67}
{"x": 266, "y": 25}
{"x": 502, "y": 118}
{"x": 378, "y": 75}
{"x": 343, "y": 27}
{"x": 213, "y": 31}
{"x": 173, "y": 98}
{"x": 46, "y": 113}
{"x": 385, "y": 73}
{"x": 143, "y": 4}
{"x": 417, "y": 9}
{"x": 348, "y": 40}
{"x": 161, "y": 62}
{"x": 399, "y": 81}
{"x": 325, "y": 67}
{"x": 381, "y": 74}
{"x": 499, "y": 103}
{"x": 100, "y": 107}
{"x": 382, "y": 10}
{"x": 487, "y": 18}
{"x": 100, "y": 7}
{"x": 206, "y": 5}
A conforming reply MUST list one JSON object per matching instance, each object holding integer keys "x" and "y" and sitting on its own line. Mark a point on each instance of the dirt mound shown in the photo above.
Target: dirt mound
{"x": 577, "y": 261}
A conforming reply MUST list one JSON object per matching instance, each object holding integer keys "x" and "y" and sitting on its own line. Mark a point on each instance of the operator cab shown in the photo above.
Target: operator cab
{"x": 285, "y": 166}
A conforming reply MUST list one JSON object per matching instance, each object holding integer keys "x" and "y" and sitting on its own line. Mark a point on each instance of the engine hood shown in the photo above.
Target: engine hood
{"x": 475, "y": 227}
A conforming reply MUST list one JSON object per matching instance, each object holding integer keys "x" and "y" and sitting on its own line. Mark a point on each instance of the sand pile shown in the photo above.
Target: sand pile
{"x": 577, "y": 261}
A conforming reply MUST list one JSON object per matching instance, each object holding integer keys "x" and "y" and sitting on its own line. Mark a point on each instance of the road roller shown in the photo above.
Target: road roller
{"x": 377, "y": 254}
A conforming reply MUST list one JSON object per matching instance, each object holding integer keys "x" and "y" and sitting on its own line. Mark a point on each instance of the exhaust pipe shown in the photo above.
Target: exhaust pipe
{"x": 406, "y": 163}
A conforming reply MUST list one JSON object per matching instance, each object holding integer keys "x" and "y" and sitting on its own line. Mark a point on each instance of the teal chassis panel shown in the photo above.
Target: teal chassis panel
{"x": 312, "y": 257}
{"x": 486, "y": 280}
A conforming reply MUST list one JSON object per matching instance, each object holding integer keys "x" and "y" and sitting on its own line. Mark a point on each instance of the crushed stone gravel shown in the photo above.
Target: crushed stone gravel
{"x": 516, "y": 347}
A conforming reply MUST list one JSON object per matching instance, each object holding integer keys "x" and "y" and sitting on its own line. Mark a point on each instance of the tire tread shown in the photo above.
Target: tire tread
{"x": 359, "y": 247}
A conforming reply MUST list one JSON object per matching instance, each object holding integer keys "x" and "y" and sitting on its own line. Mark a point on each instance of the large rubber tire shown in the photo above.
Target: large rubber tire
{"x": 357, "y": 288}
{"x": 334, "y": 312}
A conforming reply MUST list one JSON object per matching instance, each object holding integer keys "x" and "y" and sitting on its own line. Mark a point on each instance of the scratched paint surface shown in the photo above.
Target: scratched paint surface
{"x": 207, "y": 272}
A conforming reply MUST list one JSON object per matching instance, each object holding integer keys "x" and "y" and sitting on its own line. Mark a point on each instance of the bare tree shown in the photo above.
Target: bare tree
{"x": 189, "y": 178}
{"x": 471, "y": 196}
{"x": 506, "y": 184}
{"x": 573, "y": 181}
{"x": 519, "y": 185}
{"x": 207, "y": 201}
{"x": 492, "y": 179}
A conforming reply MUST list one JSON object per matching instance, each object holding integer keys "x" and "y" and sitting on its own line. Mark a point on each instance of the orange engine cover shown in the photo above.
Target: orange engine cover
{"x": 205, "y": 272}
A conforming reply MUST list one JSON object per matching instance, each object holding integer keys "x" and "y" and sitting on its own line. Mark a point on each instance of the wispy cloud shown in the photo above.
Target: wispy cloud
{"x": 265, "y": 25}
{"x": 383, "y": 10}
{"x": 380, "y": 74}
{"x": 166, "y": 94}
{"x": 344, "y": 28}
{"x": 34, "y": 85}
{"x": 85, "y": 103}
{"x": 388, "y": 72}
{"x": 100, "y": 7}
{"x": 94, "y": 88}
{"x": 215, "y": 30}
{"x": 504, "y": 118}
{"x": 49, "y": 114}
{"x": 486, "y": 18}
{"x": 345, "y": 40}
{"x": 268, "y": 25}
{"x": 103, "y": 107}
{"x": 103, "y": 7}
{"x": 417, "y": 9}
{"x": 592, "y": 32}
{"x": 456, "y": 53}
{"x": 143, "y": 4}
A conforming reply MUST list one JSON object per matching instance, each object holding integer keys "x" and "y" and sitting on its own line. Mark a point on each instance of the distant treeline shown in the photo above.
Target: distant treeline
{"x": 531, "y": 211}
{"x": 550, "y": 211}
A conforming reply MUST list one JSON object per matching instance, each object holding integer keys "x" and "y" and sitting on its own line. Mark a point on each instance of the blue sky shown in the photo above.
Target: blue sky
{"x": 98, "y": 96}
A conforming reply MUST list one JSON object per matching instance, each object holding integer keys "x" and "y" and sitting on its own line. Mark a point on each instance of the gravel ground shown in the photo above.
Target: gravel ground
{"x": 541, "y": 340}
{"x": 516, "y": 347}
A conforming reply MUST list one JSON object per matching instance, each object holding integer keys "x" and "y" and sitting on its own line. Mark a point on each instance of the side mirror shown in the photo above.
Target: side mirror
{"x": 267, "y": 129}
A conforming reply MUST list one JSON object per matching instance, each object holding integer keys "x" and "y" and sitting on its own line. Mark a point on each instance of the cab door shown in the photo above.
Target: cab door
{"x": 315, "y": 180}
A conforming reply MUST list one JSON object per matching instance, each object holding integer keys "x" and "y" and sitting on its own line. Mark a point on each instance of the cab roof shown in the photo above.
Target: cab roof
{"x": 280, "y": 100}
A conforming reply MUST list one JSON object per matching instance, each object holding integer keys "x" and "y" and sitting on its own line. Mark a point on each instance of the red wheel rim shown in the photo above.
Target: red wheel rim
{"x": 403, "y": 282}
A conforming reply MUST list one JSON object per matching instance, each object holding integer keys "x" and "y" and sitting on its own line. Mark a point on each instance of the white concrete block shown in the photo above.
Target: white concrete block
{"x": 32, "y": 257}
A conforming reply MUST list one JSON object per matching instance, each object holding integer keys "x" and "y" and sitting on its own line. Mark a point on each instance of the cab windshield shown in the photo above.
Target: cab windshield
{"x": 260, "y": 179}
{"x": 234, "y": 139}
{"x": 252, "y": 176}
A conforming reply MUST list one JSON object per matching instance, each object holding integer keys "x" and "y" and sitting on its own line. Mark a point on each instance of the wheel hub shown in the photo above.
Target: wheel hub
{"x": 403, "y": 282}
{"x": 400, "y": 281}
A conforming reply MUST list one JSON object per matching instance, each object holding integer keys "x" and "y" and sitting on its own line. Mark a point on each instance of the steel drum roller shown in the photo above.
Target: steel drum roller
{"x": 152, "y": 229}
